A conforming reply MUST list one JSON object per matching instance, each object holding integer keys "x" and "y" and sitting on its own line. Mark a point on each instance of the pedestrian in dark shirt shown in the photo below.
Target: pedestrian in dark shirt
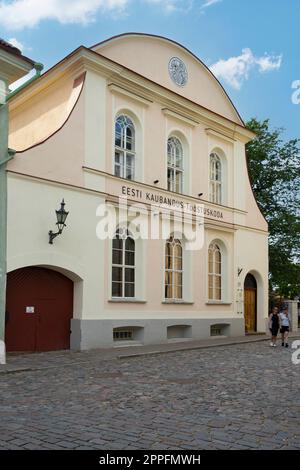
{"x": 274, "y": 322}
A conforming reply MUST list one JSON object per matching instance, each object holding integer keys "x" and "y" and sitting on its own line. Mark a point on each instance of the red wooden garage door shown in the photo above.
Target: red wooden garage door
{"x": 39, "y": 308}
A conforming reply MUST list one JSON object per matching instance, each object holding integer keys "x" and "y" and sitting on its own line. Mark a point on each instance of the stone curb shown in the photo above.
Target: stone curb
{"x": 193, "y": 348}
{"x": 6, "y": 369}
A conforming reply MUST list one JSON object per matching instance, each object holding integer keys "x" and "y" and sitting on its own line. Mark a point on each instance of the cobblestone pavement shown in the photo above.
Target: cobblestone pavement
{"x": 233, "y": 397}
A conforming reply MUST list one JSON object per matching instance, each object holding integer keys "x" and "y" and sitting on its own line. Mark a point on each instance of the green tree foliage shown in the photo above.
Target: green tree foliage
{"x": 274, "y": 167}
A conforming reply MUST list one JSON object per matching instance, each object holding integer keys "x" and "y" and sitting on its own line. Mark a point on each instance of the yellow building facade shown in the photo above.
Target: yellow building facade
{"x": 141, "y": 118}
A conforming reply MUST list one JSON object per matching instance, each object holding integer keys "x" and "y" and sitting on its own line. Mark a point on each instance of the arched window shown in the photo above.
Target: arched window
{"x": 124, "y": 147}
{"x": 173, "y": 269}
{"x": 215, "y": 179}
{"x": 214, "y": 272}
{"x": 123, "y": 264}
{"x": 175, "y": 165}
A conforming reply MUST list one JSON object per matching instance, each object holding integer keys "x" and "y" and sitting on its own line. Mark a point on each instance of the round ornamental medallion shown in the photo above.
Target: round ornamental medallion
{"x": 178, "y": 71}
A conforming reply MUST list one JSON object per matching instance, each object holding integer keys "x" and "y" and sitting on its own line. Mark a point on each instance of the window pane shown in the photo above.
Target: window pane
{"x": 178, "y": 181}
{"x": 168, "y": 277}
{"x": 170, "y": 179}
{"x": 168, "y": 291}
{"x": 178, "y": 263}
{"x": 119, "y": 158}
{"x": 178, "y": 250}
{"x": 217, "y": 282}
{"x": 129, "y": 289}
{"x": 129, "y": 139}
{"x": 129, "y": 275}
{"x": 129, "y": 258}
{"x": 169, "y": 262}
{"x": 130, "y": 167}
{"x": 178, "y": 279}
{"x": 118, "y": 171}
{"x": 117, "y": 243}
{"x": 117, "y": 289}
{"x": 116, "y": 274}
{"x": 217, "y": 294}
{"x": 129, "y": 244}
{"x": 118, "y": 134}
{"x": 169, "y": 249}
{"x": 218, "y": 268}
{"x": 218, "y": 194}
{"x": 178, "y": 159}
{"x": 117, "y": 257}
{"x": 177, "y": 292}
{"x": 119, "y": 164}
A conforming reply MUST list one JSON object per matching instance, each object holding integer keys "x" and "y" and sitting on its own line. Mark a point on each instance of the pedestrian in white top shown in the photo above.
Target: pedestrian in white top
{"x": 284, "y": 326}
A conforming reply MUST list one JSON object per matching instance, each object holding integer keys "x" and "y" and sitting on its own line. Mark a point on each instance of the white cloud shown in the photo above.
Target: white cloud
{"x": 209, "y": 3}
{"x": 267, "y": 63}
{"x": 235, "y": 70}
{"x": 170, "y": 6}
{"x": 19, "y": 14}
{"x": 14, "y": 42}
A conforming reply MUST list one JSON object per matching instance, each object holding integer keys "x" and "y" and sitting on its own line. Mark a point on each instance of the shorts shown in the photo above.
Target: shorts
{"x": 283, "y": 329}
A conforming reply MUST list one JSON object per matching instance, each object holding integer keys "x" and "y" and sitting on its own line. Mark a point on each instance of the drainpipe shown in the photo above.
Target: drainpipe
{"x": 6, "y": 154}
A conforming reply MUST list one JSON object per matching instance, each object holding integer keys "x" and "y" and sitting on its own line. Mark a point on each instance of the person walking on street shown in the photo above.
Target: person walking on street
{"x": 284, "y": 327}
{"x": 274, "y": 323}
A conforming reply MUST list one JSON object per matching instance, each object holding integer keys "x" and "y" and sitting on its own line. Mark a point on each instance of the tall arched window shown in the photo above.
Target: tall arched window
{"x": 124, "y": 147}
{"x": 173, "y": 269}
{"x": 214, "y": 272}
{"x": 123, "y": 264}
{"x": 175, "y": 165}
{"x": 215, "y": 179}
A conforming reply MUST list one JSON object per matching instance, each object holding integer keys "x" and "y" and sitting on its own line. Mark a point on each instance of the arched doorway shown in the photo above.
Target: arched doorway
{"x": 39, "y": 308}
{"x": 250, "y": 303}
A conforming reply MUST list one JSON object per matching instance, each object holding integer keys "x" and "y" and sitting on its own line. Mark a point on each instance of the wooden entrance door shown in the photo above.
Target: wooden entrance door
{"x": 250, "y": 309}
{"x": 250, "y": 303}
{"x": 39, "y": 308}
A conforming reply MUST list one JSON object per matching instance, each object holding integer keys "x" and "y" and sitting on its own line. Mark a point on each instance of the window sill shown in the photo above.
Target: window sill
{"x": 217, "y": 302}
{"x": 184, "y": 302}
{"x": 128, "y": 301}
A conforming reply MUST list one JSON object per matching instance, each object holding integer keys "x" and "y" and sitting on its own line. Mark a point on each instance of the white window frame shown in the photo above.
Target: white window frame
{"x": 216, "y": 178}
{"x": 215, "y": 273}
{"x": 173, "y": 145}
{"x": 124, "y": 235}
{"x": 124, "y": 153}
{"x": 173, "y": 242}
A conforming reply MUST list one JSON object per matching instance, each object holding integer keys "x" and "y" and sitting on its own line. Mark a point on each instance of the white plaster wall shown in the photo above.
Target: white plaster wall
{"x": 251, "y": 248}
{"x": 77, "y": 252}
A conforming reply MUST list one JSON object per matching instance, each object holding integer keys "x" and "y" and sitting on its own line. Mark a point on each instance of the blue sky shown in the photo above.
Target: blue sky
{"x": 251, "y": 45}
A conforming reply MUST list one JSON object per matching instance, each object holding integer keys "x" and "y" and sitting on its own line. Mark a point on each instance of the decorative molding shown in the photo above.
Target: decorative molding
{"x": 180, "y": 117}
{"x": 116, "y": 89}
{"x": 220, "y": 228}
{"x": 220, "y": 135}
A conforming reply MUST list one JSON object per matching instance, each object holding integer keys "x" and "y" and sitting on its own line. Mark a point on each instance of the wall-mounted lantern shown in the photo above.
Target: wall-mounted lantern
{"x": 61, "y": 216}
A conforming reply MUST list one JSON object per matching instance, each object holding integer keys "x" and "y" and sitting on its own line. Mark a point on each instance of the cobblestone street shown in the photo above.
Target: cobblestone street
{"x": 231, "y": 397}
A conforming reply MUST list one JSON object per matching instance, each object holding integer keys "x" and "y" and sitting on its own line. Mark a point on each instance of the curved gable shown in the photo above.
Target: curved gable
{"x": 149, "y": 56}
